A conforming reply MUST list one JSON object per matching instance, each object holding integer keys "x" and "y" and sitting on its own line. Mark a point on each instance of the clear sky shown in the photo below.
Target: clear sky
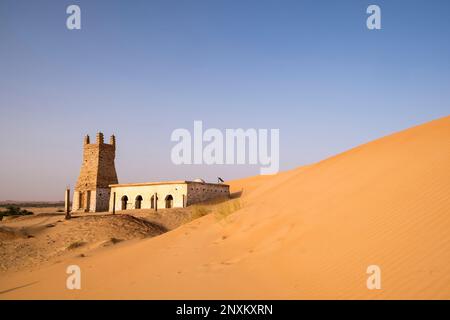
{"x": 141, "y": 69}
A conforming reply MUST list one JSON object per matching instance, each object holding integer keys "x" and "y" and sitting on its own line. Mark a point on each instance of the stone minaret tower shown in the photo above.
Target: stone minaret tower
{"x": 97, "y": 173}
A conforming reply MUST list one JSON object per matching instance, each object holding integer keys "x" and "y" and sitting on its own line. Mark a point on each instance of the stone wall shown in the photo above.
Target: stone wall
{"x": 199, "y": 192}
{"x": 184, "y": 193}
{"x": 131, "y": 192}
{"x": 102, "y": 196}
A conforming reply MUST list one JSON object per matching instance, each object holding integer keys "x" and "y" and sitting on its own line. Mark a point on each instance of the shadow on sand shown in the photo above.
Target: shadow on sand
{"x": 19, "y": 287}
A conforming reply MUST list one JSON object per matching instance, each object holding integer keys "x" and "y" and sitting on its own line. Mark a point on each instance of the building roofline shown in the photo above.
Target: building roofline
{"x": 142, "y": 184}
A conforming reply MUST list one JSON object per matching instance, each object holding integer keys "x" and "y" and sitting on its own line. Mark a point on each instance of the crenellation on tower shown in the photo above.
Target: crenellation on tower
{"x": 112, "y": 140}
{"x": 99, "y": 138}
{"x": 96, "y": 174}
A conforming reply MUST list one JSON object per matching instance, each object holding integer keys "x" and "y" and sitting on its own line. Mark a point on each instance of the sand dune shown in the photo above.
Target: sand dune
{"x": 30, "y": 242}
{"x": 307, "y": 233}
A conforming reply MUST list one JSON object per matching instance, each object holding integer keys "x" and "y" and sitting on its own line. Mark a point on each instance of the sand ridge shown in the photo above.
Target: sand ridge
{"x": 307, "y": 233}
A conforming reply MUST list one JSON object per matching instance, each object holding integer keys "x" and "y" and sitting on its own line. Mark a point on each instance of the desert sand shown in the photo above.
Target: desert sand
{"x": 30, "y": 242}
{"x": 303, "y": 234}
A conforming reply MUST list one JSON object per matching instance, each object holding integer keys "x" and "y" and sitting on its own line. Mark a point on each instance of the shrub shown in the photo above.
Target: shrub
{"x": 76, "y": 245}
{"x": 15, "y": 211}
{"x": 115, "y": 240}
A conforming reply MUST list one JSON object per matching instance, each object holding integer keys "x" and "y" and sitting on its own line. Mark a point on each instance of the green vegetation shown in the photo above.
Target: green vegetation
{"x": 5, "y": 204}
{"x": 14, "y": 211}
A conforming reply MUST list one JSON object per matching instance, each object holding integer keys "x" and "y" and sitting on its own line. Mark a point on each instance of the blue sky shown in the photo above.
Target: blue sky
{"x": 141, "y": 69}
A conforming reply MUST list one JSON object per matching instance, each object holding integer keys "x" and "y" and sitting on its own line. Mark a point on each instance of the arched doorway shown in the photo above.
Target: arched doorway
{"x": 169, "y": 201}
{"x": 152, "y": 202}
{"x": 137, "y": 203}
{"x": 124, "y": 202}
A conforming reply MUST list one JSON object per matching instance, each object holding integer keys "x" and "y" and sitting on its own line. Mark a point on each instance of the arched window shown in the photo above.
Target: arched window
{"x": 169, "y": 201}
{"x": 124, "y": 202}
{"x": 137, "y": 203}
